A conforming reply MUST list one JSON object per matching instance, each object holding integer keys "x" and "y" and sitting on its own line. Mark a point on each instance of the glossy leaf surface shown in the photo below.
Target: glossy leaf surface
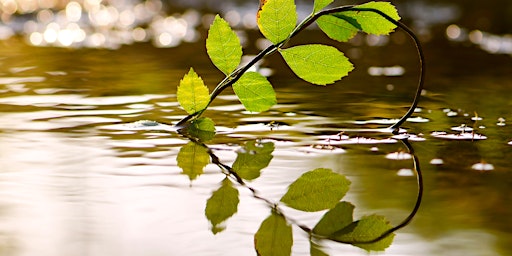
{"x": 193, "y": 95}
{"x": 371, "y": 22}
{"x": 255, "y": 92}
{"x": 343, "y": 26}
{"x": 277, "y": 19}
{"x": 223, "y": 46}
{"x": 320, "y": 4}
{"x": 317, "y": 64}
{"x": 337, "y": 28}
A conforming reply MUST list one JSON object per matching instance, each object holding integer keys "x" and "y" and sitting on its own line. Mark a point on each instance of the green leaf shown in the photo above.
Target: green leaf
{"x": 274, "y": 237}
{"x": 335, "y": 219}
{"x": 222, "y": 204}
{"x": 316, "y": 190}
{"x": 366, "y": 229}
{"x": 192, "y": 159}
{"x": 337, "y": 28}
{"x": 252, "y": 159}
{"x": 255, "y": 92}
{"x": 223, "y": 46}
{"x": 192, "y": 93}
{"x": 320, "y": 4}
{"x": 202, "y": 128}
{"x": 317, "y": 64}
{"x": 277, "y": 19}
{"x": 371, "y": 22}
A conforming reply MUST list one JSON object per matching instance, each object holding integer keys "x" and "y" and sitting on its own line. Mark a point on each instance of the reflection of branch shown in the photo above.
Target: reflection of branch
{"x": 228, "y": 170}
{"x": 408, "y": 219}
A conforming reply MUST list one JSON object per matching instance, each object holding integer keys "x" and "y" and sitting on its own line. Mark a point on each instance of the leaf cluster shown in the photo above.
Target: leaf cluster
{"x": 317, "y": 64}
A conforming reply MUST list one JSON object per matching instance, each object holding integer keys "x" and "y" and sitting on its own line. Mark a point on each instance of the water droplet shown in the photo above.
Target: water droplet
{"x": 451, "y": 114}
{"x": 462, "y": 128}
{"x": 405, "y": 172}
{"x": 437, "y": 161}
{"x": 482, "y": 166}
{"x": 398, "y": 156}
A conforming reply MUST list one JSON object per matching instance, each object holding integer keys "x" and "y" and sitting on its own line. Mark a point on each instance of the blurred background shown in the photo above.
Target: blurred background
{"x": 78, "y": 178}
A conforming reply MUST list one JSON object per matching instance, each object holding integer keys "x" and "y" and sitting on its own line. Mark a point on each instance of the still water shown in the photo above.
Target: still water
{"x": 79, "y": 177}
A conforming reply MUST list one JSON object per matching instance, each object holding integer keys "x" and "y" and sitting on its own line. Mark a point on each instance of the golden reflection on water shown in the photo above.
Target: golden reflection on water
{"x": 75, "y": 179}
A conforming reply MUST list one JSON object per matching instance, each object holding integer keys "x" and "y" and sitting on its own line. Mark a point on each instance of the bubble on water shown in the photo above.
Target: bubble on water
{"x": 374, "y": 149}
{"x": 398, "y": 156}
{"x": 437, "y": 161}
{"x": 501, "y": 121}
{"x": 482, "y": 166}
{"x": 452, "y": 114}
{"x": 462, "y": 128}
{"x": 405, "y": 172}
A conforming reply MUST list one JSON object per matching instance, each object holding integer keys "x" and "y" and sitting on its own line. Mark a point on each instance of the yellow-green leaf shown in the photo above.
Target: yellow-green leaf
{"x": 255, "y": 92}
{"x": 337, "y": 28}
{"x": 222, "y": 204}
{"x": 252, "y": 158}
{"x": 369, "y": 21}
{"x": 317, "y": 64}
{"x": 316, "y": 190}
{"x": 274, "y": 237}
{"x": 193, "y": 95}
{"x": 223, "y": 46}
{"x": 277, "y": 19}
{"x": 320, "y": 4}
{"x": 192, "y": 159}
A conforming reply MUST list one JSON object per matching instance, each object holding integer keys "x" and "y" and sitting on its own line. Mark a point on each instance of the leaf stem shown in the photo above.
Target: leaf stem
{"x": 235, "y": 75}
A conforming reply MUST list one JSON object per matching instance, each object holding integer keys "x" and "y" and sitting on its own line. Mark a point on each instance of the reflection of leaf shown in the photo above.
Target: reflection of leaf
{"x": 320, "y": 4}
{"x": 335, "y": 219}
{"x": 274, "y": 237}
{"x": 252, "y": 158}
{"x": 223, "y": 46}
{"x": 202, "y": 128}
{"x": 222, "y": 204}
{"x": 316, "y": 63}
{"x": 277, "y": 19}
{"x": 316, "y": 250}
{"x": 255, "y": 92}
{"x": 192, "y": 158}
{"x": 366, "y": 229}
{"x": 316, "y": 190}
{"x": 192, "y": 93}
